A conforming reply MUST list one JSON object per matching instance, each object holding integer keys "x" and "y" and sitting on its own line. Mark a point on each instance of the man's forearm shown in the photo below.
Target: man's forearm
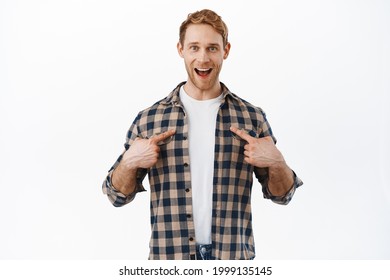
{"x": 281, "y": 179}
{"x": 124, "y": 180}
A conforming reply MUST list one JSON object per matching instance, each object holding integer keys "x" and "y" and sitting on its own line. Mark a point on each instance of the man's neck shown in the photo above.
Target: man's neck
{"x": 200, "y": 94}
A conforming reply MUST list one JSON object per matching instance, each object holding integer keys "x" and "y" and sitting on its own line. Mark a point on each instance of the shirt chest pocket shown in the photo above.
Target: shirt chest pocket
{"x": 154, "y": 133}
{"x": 162, "y": 121}
{"x": 238, "y": 147}
{"x": 231, "y": 146}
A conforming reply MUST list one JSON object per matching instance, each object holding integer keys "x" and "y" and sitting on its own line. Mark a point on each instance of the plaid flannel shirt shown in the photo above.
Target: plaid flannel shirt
{"x": 172, "y": 225}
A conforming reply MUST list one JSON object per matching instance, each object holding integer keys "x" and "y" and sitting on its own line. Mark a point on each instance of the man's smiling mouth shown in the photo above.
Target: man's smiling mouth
{"x": 203, "y": 72}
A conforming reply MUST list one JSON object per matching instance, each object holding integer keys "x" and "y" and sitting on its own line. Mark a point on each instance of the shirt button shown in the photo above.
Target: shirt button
{"x": 191, "y": 239}
{"x": 184, "y": 137}
{"x": 187, "y": 190}
{"x": 185, "y": 164}
{"x": 188, "y": 215}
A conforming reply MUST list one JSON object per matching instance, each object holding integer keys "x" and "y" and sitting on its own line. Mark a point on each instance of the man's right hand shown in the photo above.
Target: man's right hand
{"x": 143, "y": 153}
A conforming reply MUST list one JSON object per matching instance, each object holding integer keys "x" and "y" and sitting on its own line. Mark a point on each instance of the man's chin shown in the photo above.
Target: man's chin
{"x": 204, "y": 83}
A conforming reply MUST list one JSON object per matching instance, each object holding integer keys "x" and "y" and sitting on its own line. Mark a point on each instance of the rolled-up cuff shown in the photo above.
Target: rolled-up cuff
{"x": 116, "y": 197}
{"x": 286, "y": 198}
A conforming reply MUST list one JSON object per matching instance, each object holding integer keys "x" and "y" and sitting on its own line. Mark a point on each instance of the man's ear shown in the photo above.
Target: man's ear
{"x": 180, "y": 49}
{"x": 227, "y": 50}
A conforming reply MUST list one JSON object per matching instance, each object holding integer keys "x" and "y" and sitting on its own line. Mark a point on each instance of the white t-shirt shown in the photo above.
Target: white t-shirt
{"x": 202, "y": 117}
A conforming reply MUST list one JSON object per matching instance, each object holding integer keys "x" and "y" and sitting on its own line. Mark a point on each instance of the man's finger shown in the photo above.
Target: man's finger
{"x": 241, "y": 133}
{"x": 161, "y": 137}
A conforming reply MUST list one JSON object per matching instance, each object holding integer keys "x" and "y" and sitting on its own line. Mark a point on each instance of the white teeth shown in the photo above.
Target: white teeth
{"x": 199, "y": 69}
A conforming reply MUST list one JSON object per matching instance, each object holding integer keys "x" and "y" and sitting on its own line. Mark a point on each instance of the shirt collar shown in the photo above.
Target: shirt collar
{"x": 173, "y": 97}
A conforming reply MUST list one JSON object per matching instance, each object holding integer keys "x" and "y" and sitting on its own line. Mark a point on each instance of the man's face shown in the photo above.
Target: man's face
{"x": 203, "y": 54}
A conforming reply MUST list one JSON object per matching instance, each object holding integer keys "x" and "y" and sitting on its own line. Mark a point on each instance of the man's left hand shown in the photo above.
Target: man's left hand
{"x": 260, "y": 152}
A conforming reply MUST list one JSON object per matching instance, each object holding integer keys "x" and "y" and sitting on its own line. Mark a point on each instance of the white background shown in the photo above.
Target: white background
{"x": 74, "y": 74}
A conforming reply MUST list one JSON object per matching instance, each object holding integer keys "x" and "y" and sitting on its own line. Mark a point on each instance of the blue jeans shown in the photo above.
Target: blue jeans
{"x": 203, "y": 252}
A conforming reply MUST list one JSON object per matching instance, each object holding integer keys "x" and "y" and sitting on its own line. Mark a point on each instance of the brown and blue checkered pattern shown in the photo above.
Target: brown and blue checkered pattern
{"x": 172, "y": 225}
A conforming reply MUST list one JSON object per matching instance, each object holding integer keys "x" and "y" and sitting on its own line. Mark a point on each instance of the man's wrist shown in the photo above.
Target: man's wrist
{"x": 281, "y": 178}
{"x": 123, "y": 180}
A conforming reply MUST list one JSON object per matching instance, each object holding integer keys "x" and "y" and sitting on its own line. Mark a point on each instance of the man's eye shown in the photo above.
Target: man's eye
{"x": 194, "y": 48}
{"x": 213, "y": 49}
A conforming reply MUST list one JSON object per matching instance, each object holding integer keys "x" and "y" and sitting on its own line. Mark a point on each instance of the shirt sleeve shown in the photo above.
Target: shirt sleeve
{"x": 117, "y": 198}
{"x": 262, "y": 176}
{"x": 262, "y": 173}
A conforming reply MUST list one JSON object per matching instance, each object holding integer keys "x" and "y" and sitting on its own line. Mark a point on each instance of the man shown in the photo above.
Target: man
{"x": 200, "y": 147}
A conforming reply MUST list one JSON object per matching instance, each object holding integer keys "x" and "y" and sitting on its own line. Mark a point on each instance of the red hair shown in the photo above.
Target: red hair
{"x": 205, "y": 17}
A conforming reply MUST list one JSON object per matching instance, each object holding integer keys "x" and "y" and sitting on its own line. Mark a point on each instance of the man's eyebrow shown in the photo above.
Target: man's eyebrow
{"x": 210, "y": 44}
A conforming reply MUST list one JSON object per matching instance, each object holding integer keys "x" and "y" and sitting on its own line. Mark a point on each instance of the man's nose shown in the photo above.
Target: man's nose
{"x": 203, "y": 56}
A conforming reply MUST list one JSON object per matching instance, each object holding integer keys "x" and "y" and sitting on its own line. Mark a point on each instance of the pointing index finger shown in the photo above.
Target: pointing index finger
{"x": 161, "y": 137}
{"x": 241, "y": 133}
